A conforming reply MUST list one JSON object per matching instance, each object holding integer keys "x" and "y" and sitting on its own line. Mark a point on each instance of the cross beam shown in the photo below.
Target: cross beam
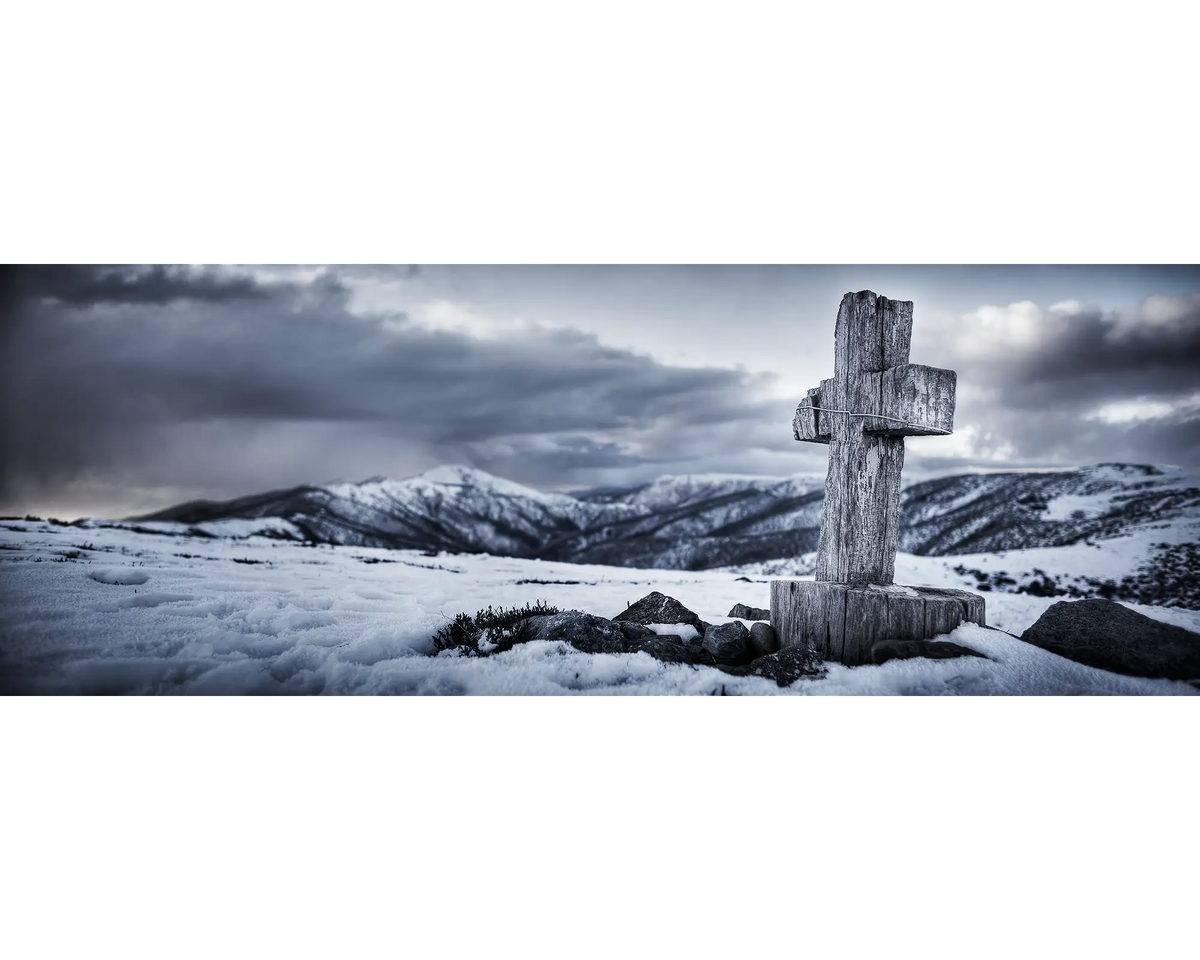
{"x": 874, "y": 400}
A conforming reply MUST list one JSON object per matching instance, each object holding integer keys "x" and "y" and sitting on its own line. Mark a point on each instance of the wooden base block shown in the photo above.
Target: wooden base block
{"x": 842, "y": 621}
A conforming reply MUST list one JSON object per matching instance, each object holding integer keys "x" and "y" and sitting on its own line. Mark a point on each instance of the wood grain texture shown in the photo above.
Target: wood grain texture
{"x": 822, "y": 619}
{"x": 841, "y": 623}
{"x": 866, "y": 623}
{"x": 810, "y": 613}
{"x": 906, "y": 617}
{"x": 944, "y": 610}
{"x": 785, "y": 611}
{"x": 807, "y": 424}
{"x": 974, "y": 608}
{"x": 919, "y": 394}
{"x": 896, "y": 322}
{"x": 860, "y": 526}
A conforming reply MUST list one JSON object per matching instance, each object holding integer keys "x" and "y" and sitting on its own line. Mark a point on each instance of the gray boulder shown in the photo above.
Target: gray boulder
{"x": 634, "y": 631}
{"x": 1108, "y": 635}
{"x": 729, "y": 643}
{"x": 592, "y": 634}
{"x": 763, "y": 639}
{"x": 659, "y": 608}
{"x": 668, "y": 648}
{"x": 581, "y": 630}
{"x": 749, "y": 613}
{"x": 785, "y": 666}
{"x": 887, "y": 650}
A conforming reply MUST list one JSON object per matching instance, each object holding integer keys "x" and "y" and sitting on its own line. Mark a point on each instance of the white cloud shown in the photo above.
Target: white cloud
{"x": 1141, "y": 409}
{"x": 1154, "y": 313}
{"x": 967, "y": 442}
{"x": 454, "y": 317}
{"x": 991, "y": 330}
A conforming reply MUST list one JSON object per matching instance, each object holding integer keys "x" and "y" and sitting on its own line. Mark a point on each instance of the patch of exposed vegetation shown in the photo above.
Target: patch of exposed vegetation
{"x": 491, "y": 630}
{"x": 1171, "y": 578}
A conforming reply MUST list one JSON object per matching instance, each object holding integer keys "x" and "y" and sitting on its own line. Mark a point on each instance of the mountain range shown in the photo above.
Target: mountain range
{"x": 705, "y": 521}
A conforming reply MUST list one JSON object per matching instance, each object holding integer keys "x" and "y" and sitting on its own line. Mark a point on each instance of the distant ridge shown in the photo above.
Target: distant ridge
{"x": 703, "y": 521}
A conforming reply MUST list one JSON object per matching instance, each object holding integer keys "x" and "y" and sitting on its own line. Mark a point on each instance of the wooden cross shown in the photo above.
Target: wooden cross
{"x": 875, "y": 399}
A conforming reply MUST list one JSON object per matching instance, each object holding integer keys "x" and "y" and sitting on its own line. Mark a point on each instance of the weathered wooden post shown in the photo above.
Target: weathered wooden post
{"x": 875, "y": 399}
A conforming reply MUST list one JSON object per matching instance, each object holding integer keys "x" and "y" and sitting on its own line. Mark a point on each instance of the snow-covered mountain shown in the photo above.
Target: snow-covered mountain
{"x": 979, "y": 513}
{"x": 676, "y": 522}
{"x": 707, "y": 521}
{"x": 452, "y": 508}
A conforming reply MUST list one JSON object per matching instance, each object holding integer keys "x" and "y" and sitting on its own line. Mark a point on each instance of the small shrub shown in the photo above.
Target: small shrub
{"x": 491, "y": 630}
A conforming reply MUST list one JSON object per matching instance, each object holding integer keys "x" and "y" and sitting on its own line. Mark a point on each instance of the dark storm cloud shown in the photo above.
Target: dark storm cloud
{"x": 1075, "y": 384}
{"x": 86, "y": 285}
{"x": 103, "y": 374}
{"x": 1093, "y": 356}
{"x": 1077, "y": 353}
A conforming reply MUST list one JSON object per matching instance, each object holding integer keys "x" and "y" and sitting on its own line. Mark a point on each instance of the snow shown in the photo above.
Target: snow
{"x": 432, "y": 483}
{"x": 249, "y": 528}
{"x": 685, "y": 631}
{"x": 118, "y": 577}
{"x": 1065, "y": 507}
{"x": 110, "y": 610}
{"x": 672, "y": 490}
{"x": 231, "y": 528}
{"x": 469, "y": 476}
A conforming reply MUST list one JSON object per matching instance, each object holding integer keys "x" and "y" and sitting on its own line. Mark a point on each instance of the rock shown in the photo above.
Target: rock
{"x": 785, "y": 666}
{"x": 749, "y": 613}
{"x": 887, "y": 650}
{"x": 591, "y": 634}
{"x": 1105, "y": 634}
{"x": 763, "y": 639}
{"x": 658, "y": 608}
{"x": 667, "y": 647}
{"x": 729, "y": 643}
{"x": 581, "y": 630}
{"x": 634, "y": 631}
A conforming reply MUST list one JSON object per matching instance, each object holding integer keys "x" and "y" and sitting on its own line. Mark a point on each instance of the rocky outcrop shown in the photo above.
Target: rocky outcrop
{"x": 1108, "y": 635}
{"x": 743, "y": 612}
{"x": 658, "y": 608}
{"x": 591, "y": 634}
{"x": 586, "y": 632}
{"x": 785, "y": 666}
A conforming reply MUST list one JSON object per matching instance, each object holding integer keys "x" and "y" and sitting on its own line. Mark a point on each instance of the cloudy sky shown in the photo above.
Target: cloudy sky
{"x": 125, "y": 389}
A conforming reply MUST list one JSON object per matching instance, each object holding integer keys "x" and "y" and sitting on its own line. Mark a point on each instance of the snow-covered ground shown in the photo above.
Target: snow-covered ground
{"x": 111, "y": 610}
